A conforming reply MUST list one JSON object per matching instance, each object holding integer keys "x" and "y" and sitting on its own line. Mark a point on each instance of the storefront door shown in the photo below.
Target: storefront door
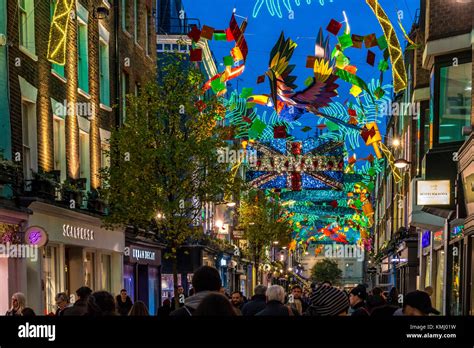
{"x": 455, "y": 291}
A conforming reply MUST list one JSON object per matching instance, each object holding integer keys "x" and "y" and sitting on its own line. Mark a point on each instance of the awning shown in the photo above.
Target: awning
{"x": 444, "y": 213}
{"x": 426, "y": 221}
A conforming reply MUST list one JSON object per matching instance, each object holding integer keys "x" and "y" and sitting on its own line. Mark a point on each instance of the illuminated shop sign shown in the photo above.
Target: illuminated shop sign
{"x": 456, "y": 231}
{"x": 78, "y": 232}
{"x": 426, "y": 239}
{"x": 433, "y": 192}
{"x": 35, "y": 235}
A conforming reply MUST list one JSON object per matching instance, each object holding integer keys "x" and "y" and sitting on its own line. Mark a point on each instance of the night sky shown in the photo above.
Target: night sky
{"x": 263, "y": 31}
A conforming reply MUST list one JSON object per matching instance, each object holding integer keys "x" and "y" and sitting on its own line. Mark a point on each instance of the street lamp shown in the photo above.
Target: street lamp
{"x": 401, "y": 163}
{"x": 396, "y": 142}
{"x": 231, "y": 204}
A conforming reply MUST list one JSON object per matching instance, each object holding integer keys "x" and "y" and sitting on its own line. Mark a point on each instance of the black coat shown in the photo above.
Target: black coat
{"x": 123, "y": 307}
{"x": 255, "y": 305}
{"x": 360, "y": 310}
{"x": 79, "y": 308}
{"x": 164, "y": 311}
{"x": 277, "y": 309}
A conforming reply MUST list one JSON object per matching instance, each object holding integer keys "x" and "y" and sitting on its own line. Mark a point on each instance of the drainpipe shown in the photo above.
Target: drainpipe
{"x": 117, "y": 65}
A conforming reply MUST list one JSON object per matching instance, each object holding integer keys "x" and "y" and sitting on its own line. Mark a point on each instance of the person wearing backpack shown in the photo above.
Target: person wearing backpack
{"x": 206, "y": 281}
{"x": 357, "y": 298}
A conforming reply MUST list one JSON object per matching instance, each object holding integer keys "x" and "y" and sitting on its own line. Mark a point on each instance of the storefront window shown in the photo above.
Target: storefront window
{"x": 51, "y": 276}
{"x": 439, "y": 280}
{"x": 456, "y": 279}
{"x": 153, "y": 289}
{"x": 105, "y": 268}
{"x": 89, "y": 266}
{"x": 454, "y": 101}
{"x": 129, "y": 279}
{"x": 427, "y": 270}
{"x": 167, "y": 287}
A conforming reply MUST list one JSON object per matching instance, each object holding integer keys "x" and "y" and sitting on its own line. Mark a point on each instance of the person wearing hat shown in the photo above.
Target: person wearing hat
{"x": 357, "y": 298}
{"x": 328, "y": 301}
{"x": 418, "y": 303}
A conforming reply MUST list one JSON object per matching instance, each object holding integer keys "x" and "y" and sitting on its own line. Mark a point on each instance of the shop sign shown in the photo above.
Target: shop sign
{"x": 457, "y": 231}
{"x": 433, "y": 192}
{"x": 238, "y": 234}
{"x": 143, "y": 255}
{"x": 469, "y": 188}
{"x": 35, "y": 235}
{"x": 78, "y": 232}
{"x": 426, "y": 239}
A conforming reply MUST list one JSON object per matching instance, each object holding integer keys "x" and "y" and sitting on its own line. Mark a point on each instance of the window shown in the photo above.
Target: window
{"x": 89, "y": 267}
{"x": 26, "y": 13}
{"x": 136, "y": 23}
{"x": 147, "y": 34}
{"x": 50, "y": 272}
{"x": 125, "y": 18}
{"x": 56, "y": 68}
{"x": 455, "y": 88}
{"x": 84, "y": 156}
{"x": 105, "y": 155}
{"x": 105, "y": 272}
{"x": 104, "y": 65}
{"x": 30, "y": 156}
{"x": 59, "y": 135}
{"x": 124, "y": 91}
{"x": 82, "y": 56}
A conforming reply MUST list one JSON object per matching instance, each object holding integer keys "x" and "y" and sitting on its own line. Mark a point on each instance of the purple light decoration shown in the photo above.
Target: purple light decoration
{"x": 34, "y": 237}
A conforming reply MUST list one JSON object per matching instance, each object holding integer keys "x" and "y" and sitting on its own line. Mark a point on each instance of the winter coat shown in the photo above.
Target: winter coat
{"x": 190, "y": 304}
{"x": 123, "y": 307}
{"x": 277, "y": 309}
{"x": 360, "y": 310}
{"x": 255, "y": 305}
{"x": 79, "y": 308}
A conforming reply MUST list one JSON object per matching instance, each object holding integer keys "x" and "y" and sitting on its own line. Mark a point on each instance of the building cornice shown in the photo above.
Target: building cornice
{"x": 446, "y": 46}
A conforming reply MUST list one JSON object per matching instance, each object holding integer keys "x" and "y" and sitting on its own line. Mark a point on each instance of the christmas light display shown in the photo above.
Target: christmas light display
{"x": 58, "y": 31}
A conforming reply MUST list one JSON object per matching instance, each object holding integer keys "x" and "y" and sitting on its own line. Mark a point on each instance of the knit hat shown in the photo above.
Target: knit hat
{"x": 421, "y": 301}
{"x": 329, "y": 301}
{"x": 360, "y": 291}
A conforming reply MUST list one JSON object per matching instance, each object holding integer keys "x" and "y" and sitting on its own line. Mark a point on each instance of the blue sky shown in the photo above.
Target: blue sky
{"x": 263, "y": 31}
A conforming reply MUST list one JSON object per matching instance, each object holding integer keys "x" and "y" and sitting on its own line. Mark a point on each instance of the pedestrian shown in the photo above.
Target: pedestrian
{"x": 378, "y": 292}
{"x": 275, "y": 303}
{"x": 257, "y": 302}
{"x": 326, "y": 283}
{"x": 181, "y": 299}
{"x": 393, "y": 297}
{"x": 237, "y": 301}
{"x": 328, "y": 301}
{"x": 124, "y": 303}
{"x": 165, "y": 310}
{"x": 296, "y": 301}
{"x": 139, "y": 309}
{"x": 206, "y": 280}
{"x": 357, "y": 298}
{"x": 62, "y": 301}
{"x": 191, "y": 292}
{"x": 418, "y": 303}
{"x": 80, "y": 306}
{"x": 375, "y": 301}
{"x": 101, "y": 303}
{"x": 18, "y": 304}
{"x": 216, "y": 304}
{"x": 28, "y": 312}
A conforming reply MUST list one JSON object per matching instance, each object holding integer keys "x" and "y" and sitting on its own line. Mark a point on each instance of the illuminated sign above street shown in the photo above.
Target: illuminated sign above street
{"x": 433, "y": 192}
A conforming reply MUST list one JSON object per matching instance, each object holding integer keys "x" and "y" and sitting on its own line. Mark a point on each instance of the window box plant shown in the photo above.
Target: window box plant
{"x": 70, "y": 191}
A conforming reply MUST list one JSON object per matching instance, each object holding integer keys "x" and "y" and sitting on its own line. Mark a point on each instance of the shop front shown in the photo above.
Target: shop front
{"x": 78, "y": 252}
{"x": 12, "y": 269}
{"x": 142, "y": 274}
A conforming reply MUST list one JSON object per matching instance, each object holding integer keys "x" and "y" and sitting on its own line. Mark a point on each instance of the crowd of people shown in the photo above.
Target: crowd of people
{"x": 209, "y": 298}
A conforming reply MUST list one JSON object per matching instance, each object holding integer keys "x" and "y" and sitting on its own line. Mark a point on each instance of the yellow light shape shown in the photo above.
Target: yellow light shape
{"x": 355, "y": 90}
{"x": 397, "y": 177}
{"x": 322, "y": 70}
{"x": 58, "y": 32}
{"x": 396, "y": 55}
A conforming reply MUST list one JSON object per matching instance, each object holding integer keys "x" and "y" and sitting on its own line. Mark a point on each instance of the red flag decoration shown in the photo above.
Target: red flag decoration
{"x": 366, "y": 133}
{"x": 370, "y": 57}
{"x": 207, "y": 32}
{"x": 239, "y": 38}
{"x": 228, "y": 34}
{"x": 261, "y": 79}
{"x": 370, "y": 41}
{"x": 296, "y": 181}
{"x": 357, "y": 41}
{"x": 279, "y": 132}
{"x": 200, "y": 105}
{"x": 352, "y": 112}
{"x": 247, "y": 119}
{"x": 196, "y": 55}
{"x": 334, "y": 204}
{"x": 296, "y": 148}
{"x": 194, "y": 34}
{"x": 321, "y": 126}
{"x": 334, "y": 27}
